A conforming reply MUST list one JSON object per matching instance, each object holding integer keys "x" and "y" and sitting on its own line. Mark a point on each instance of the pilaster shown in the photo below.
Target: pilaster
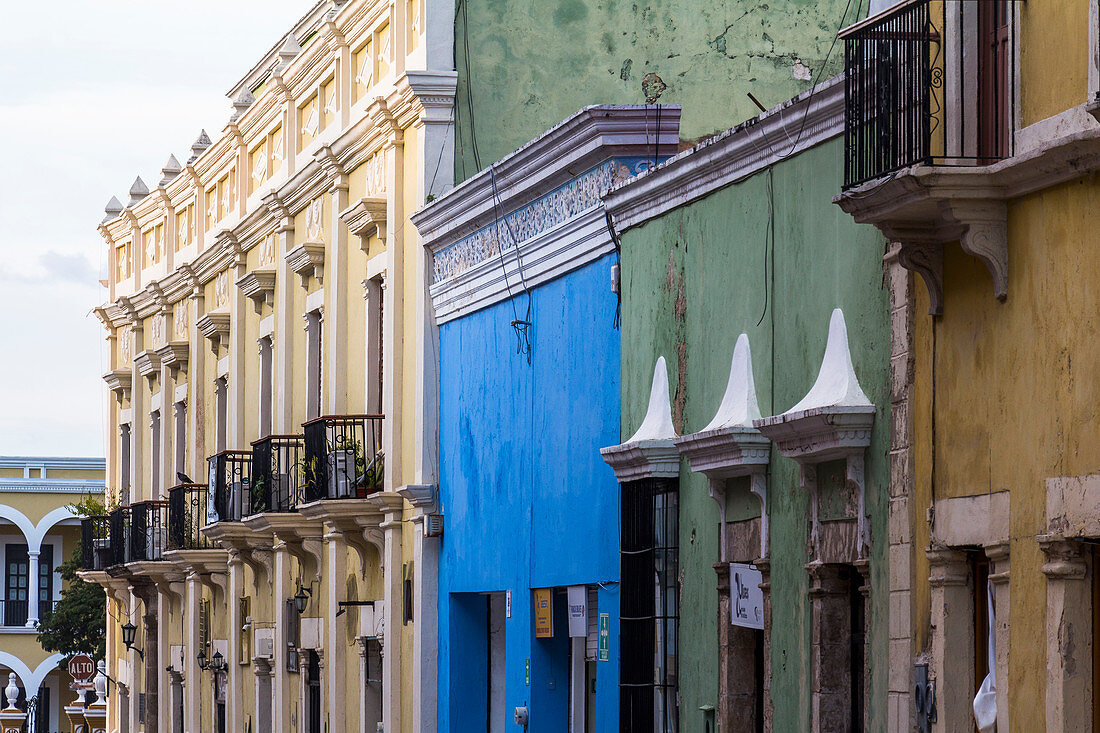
{"x": 1069, "y": 633}
{"x": 952, "y": 641}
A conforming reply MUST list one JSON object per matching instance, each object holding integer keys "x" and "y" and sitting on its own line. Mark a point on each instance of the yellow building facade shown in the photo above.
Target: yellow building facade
{"x": 271, "y": 458}
{"x": 38, "y": 532}
{"x": 995, "y": 465}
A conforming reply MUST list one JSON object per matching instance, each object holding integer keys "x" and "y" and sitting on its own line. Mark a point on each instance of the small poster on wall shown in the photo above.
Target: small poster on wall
{"x": 544, "y": 612}
{"x": 746, "y": 598}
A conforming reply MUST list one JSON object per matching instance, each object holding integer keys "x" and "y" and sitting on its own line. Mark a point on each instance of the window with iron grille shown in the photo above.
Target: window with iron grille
{"x": 650, "y": 606}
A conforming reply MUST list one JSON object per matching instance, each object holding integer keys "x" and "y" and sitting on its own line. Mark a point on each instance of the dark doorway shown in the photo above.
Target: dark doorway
{"x": 313, "y": 692}
{"x": 993, "y": 71}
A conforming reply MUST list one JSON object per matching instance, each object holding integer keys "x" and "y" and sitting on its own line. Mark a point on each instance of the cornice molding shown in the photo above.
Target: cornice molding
{"x": 215, "y": 326}
{"x": 173, "y": 354}
{"x": 307, "y": 260}
{"x": 259, "y": 286}
{"x": 365, "y": 217}
{"x": 147, "y": 363}
{"x": 796, "y": 125}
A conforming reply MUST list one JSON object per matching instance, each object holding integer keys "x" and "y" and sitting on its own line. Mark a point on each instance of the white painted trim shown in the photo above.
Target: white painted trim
{"x": 731, "y": 156}
{"x": 30, "y": 680}
{"x": 35, "y": 533}
{"x": 90, "y": 464}
{"x": 544, "y": 257}
{"x": 573, "y": 146}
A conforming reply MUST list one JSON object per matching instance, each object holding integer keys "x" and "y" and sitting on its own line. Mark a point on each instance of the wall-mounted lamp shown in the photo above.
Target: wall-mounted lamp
{"x": 301, "y": 598}
{"x": 203, "y": 664}
{"x": 129, "y": 631}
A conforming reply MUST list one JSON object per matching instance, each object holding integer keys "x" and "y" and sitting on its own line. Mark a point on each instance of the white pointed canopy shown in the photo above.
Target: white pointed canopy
{"x": 657, "y": 424}
{"x": 836, "y": 385}
{"x": 739, "y": 407}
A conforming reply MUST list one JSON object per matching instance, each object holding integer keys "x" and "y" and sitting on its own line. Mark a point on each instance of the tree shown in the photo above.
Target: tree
{"x": 78, "y": 622}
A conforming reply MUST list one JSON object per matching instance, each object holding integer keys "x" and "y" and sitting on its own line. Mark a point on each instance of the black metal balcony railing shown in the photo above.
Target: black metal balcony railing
{"x": 343, "y": 457}
{"x": 189, "y": 511}
{"x": 14, "y": 612}
{"x": 231, "y": 486}
{"x": 139, "y": 532}
{"x": 95, "y": 542}
{"x": 278, "y": 473}
{"x": 892, "y": 84}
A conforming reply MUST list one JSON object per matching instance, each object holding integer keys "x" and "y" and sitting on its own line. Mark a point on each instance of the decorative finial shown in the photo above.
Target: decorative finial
{"x": 138, "y": 191}
{"x": 112, "y": 209}
{"x": 241, "y": 104}
{"x": 12, "y": 692}
{"x": 657, "y": 424}
{"x": 170, "y": 170}
{"x": 739, "y": 406}
{"x": 202, "y": 142}
{"x": 100, "y": 681}
{"x": 288, "y": 51}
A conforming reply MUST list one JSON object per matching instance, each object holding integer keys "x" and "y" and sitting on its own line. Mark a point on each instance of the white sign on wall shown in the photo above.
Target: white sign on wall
{"x": 578, "y": 611}
{"x": 746, "y": 598}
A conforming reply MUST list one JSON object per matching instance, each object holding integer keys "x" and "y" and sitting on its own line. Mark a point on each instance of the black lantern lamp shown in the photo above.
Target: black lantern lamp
{"x": 202, "y": 660}
{"x": 129, "y": 631}
{"x": 218, "y": 663}
{"x": 301, "y": 598}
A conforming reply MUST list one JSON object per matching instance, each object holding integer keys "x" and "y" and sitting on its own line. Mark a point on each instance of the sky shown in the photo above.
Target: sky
{"x": 92, "y": 94}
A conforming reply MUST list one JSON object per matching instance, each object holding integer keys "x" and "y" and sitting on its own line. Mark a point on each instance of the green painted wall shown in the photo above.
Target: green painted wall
{"x": 534, "y": 63}
{"x": 692, "y": 281}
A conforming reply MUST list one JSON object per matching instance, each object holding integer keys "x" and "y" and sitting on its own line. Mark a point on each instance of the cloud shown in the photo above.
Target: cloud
{"x": 53, "y": 267}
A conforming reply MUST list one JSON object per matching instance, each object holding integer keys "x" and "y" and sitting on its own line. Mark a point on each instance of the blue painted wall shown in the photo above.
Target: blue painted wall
{"x": 528, "y": 500}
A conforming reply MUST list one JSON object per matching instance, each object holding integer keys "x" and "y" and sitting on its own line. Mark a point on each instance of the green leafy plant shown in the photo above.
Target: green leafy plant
{"x": 78, "y": 622}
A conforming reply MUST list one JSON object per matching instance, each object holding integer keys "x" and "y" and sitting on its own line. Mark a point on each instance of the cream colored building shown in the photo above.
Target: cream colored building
{"x": 271, "y": 444}
{"x": 38, "y": 532}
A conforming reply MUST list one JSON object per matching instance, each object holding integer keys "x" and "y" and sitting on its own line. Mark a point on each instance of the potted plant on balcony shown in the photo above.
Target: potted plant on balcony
{"x": 369, "y": 480}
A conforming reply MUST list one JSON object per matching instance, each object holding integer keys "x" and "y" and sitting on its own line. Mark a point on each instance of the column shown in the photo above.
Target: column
{"x": 281, "y": 699}
{"x": 234, "y": 698}
{"x": 262, "y": 669}
{"x": 335, "y": 629}
{"x": 764, "y": 565}
{"x": 175, "y": 702}
{"x": 831, "y": 680}
{"x": 151, "y": 662}
{"x": 283, "y": 338}
{"x": 336, "y": 294}
{"x": 239, "y": 306}
{"x": 364, "y": 675}
{"x": 998, "y": 575}
{"x": 192, "y": 702}
{"x": 425, "y": 561}
{"x": 32, "y": 589}
{"x": 138, "y": 410}
{"x": 1069, "y": 688}
{"x": 391, "y": 649}
{"x": 196, "y": 377}
{"x": 952, "y": 641}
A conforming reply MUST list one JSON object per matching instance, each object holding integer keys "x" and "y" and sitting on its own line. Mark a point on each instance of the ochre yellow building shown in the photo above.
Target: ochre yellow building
{"x": 38, "y": 532}
{"x": 271, "y": 453}
{"x": 995, "y": 488}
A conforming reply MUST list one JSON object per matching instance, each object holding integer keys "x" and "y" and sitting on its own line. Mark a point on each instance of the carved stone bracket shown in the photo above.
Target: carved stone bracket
{"x": 307, "y": 260}
{"x": 259, "y": 286}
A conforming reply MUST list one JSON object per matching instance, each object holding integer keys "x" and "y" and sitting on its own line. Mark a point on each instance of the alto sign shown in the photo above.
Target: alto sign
{"x": 82, "y": 668}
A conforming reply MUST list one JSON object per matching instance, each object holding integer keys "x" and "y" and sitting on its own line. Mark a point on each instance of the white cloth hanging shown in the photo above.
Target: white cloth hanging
{"x": 985, "y": 702}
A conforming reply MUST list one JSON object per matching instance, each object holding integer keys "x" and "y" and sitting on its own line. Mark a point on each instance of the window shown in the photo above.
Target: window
{"x": 993, "y": 70}
{"x": 649, "y": 611}
{"x": 180, "y": 437}
{"x": 124, "y": 463}
{"x": 313, "y": 692}
{"x": 313, "y": 364}
{"x": 221, "y": 400}
{"x": 495, "y": 661}
{"x": 16, "y": 585}
{"x": 45, "y": 580}
{"x": 266, "y": 384}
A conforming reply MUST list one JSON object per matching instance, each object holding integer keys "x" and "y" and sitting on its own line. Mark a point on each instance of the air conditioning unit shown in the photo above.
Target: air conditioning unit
{"x": 433, "y": 525}
{"x": 265, "y": 643}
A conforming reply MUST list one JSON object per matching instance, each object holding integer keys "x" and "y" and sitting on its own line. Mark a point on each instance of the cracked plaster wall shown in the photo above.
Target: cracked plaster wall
{"x": 531, "y": 64}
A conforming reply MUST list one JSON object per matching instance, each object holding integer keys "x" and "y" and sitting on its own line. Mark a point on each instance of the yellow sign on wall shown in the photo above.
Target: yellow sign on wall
{"x": 544, "y": 612}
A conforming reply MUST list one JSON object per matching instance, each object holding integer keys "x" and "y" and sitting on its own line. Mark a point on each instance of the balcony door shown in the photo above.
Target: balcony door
{"x": 16, "y": 585}
{"x": 994, "y": 87}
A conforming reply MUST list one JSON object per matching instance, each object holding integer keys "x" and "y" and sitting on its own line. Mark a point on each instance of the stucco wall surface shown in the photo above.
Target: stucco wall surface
{"x": 531, "y": 64}
{"x": 1007, "y": 396}
{"x": 528, "y": 500}
{"x": 692, "y": 281}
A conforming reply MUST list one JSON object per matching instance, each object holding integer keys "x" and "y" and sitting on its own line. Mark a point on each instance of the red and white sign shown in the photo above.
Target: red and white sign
{"x": 82, "y": 668}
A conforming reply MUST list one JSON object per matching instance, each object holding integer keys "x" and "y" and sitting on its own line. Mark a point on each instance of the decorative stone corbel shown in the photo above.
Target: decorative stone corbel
{"x": 365, "y": 217}
{"x": 259, "y": 286}
{"x": 832, "y": 422}
{"x": 307, "y": 260}
{"x": 651, "y": 452}
{"x": 731, "y": 447}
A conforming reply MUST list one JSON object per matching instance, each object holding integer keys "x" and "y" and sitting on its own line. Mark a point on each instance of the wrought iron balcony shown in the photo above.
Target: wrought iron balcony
{"x": 343, "y": 457}
{"x": 189, "y": 510}
{"x": 139, "y": 532}
{"x": 278, "y": 473}
{"x": 893, "y": 91}
{"x": 14, "y": 612}
{"x": 913, "y": 96}
{"x": 95, "y": 542}
{"x": 232, "y": 487}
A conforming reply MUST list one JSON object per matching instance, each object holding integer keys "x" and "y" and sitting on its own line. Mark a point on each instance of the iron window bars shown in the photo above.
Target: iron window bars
{"x": 95, "y": 542}
{"x": 139, "y": 532}
{"x": 188, "y": 512}
{"x": 278, "y": 473}
{"x": 894, "y": 92}
{"x": 232, "y": 487}
{"x": 343, "y": 457}
{"x": 649, "y": 611}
